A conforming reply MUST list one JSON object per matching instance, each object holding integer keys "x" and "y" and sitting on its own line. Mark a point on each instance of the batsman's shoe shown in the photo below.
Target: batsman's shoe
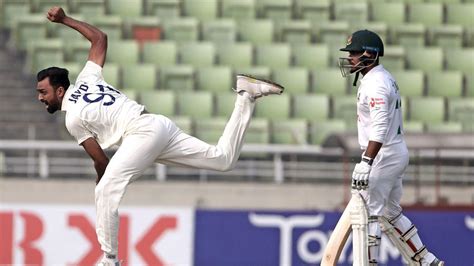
{"x": 256, "y": 87}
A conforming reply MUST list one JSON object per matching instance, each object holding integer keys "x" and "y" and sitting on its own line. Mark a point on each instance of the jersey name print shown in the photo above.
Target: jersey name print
{"x": 107, "y": 98}
{"x": 96, "y": 109}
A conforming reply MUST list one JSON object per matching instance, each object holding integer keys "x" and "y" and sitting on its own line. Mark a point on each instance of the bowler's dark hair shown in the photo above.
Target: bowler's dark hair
{"x": 57, "y": 77}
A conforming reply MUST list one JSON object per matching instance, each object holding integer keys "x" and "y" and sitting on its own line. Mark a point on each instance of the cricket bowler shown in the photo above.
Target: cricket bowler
{"x": 99, "y": 116}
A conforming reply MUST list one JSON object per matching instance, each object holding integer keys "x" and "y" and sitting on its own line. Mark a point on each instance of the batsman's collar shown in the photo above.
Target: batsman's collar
{"x": 372, "y": 72}
{"x": 65, "y": 103}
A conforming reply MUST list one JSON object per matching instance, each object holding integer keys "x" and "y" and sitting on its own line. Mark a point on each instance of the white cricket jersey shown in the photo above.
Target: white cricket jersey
{"x": 379, "y": 109}
{"x": 96, "y": 109}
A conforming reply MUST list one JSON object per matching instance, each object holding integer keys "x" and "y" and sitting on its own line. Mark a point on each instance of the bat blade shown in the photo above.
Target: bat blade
{"x": 338, "y": 238}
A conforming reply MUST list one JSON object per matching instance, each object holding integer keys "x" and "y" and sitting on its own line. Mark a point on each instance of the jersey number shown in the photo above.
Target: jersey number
{"x": 106, "y": 97}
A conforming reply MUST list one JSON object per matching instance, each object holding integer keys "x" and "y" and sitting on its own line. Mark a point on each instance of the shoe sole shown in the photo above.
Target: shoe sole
{"x": 264, "y": 80}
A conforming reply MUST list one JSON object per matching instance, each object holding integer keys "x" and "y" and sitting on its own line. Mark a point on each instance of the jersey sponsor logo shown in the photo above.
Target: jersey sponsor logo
{"x": 376, "y": 101}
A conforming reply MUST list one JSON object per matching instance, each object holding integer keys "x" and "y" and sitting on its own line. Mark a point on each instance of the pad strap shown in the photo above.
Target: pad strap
{"x": 420, "y": 254}
{"x": 409, "y": 233}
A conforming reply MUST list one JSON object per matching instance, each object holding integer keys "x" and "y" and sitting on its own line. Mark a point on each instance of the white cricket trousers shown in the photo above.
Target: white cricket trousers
{"x": 155, "y": 138}
{"x": 385, "y": 181}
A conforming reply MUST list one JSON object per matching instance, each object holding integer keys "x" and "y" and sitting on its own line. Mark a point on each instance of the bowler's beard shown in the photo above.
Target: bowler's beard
{"x": 52, "y": 108}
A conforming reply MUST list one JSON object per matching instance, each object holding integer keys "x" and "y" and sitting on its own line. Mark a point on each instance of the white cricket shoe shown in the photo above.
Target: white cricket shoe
{"x": 256, "y": 87}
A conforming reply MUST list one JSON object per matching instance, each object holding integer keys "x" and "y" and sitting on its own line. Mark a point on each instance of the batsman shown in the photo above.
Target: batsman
{"x": 379, "y": 175}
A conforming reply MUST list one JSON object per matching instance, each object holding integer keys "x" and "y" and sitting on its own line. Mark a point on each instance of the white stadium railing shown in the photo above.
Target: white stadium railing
{"x": 284, "y": 163}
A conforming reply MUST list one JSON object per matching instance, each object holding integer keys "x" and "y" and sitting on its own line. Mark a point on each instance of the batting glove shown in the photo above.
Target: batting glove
{"x": 360, "y": 176}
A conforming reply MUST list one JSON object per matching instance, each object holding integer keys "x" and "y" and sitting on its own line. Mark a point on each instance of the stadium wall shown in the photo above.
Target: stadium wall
{"x": 51, "y": 222}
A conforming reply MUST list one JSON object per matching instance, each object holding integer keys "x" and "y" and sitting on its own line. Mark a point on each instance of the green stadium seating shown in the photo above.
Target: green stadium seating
{"x": 335, "y": 35}
{"x": 239, "y": 9}
{"x": 262, "y": 72}
{"x": 161, "y": 102}
{"x": 185, "y": 123}
{"x": 345, "y": 108}
{"x": 445, "y": 83}
{"x": 195, "y": 104}
{"x": 131, "y": 94}
{"x": 273, "y": 55}
{"x": 160, "y": 54}
{"x": 329, "y": 81}
{"x": 295, "y": 32}
{"x": 388, "y": 12}
{"x": 68, "y": 36}
{"x": 125, "y": 8}
{"x": 276, "y": 10}
{"x": 292, "y": 131}
{"x": 413, "y": 127}
{"x": 235, "y": 54}
{"x": 352, "y": 12}
{"x": 43, "y": 54}
{"x": 394, "y": 58}
{"x": 427, "y": 109}
{"x": 27, "y": 29}
{"x": 179, "y": 77}
{"x": 112, "y": 75}
{"x": 381, "y": 28}
{"x": 444, "y": 127}
{"x": 408, "y": 35}
{"x": 256, "y": 31}
{"x": 111, "y": 25}
{"x": 181, "y": 30}
{"x": 460, "y": 13}
{"x": 214, "y": 79}
{"x": 404, "y": 105}
{"x": 198, "y": 54}
{"x": 469, "y": 85}
{"x": 462, "y": 110}
{"x": 77, "y": 51}
{"x": 426, "y": 59}
{"x": 209, "y": 130}
{"x": 164, "y": 9}
{"x": 295, "y": 80}
{"x": 460, "y": 59}
{"x": 220, "y": 31}
{"x": 425, "y": 13}
{"x": 314, "y": 11}
{"x": 311, "y": 106}
{"x": 74, "y": 69}
{"x": 89, "y": 8}
{"x": 274, "y": 107}
{"x": 320, "y": 130}
{"x": 42, "y": 6}
{"x": 13, "y": 9}
{"x": 410, "y": 82}
{"x": 224, "y": 103}
{"x": 444, "y": 1}
{"x": 258, "y": 131}
{"x": 446, "y": 36}
{"x": 312, "y": 56}
{"x": 141, "y": 77}
{"x": 202, "y": 10}
{"x": 115, "y": 52}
